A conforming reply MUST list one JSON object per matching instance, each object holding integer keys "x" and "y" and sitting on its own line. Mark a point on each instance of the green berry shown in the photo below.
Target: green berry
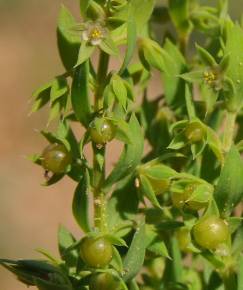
{"x": 102, "y": 130}
{"x": 194, "y": 132}
{"x": 96, "y": 252}
{"x": 210, "y": 232}
{"x": 56, "y": 158}
{"x": 104, "y": 281}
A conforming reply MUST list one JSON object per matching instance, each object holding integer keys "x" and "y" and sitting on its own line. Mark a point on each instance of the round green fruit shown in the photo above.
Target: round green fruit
{"x": 104, "y": 281}
{"x": 210, "y": 232}
{"x": 56, "y": 158}
{"x": 102, "y": 130}
{"x": 96, "y": 252}
{"x": 194, "y": 132}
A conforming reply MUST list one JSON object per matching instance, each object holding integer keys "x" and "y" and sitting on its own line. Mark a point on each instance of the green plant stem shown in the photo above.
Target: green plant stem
{"x": 100, "y": 220}
{"x": 229, "y": 130}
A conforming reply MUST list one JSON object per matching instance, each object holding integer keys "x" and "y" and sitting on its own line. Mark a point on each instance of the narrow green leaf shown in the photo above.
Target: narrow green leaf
{"x": 189, "y": 103}
{"x": 229, "y": 190}
{"x": 80, "y": 203}
{"x": 41, "y": 96}
{"x": 131, "y": 42}
{"x": 174, "y": 86}
{"x": 119, "y": 211}
{"x": 119, "y": 90}
{"x": 80, "y": 94}
{"x": 134, "y": 258}
{"x": 193, "y": 76}
{"x": 59, "y": 88}
{"x": 68, "y": 42}
{"x": 130, "y": 156}
{"x": 141, "y": 11}
{"x": 205, "y": 56}
{"x": 84, "y": 4}
{"x": 234, "y": 44}
{"x": 116, "y": 261}
{"x": 179, "y": 12}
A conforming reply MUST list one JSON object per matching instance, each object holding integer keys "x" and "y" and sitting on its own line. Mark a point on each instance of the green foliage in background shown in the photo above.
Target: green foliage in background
{"x": 168, "y": 217}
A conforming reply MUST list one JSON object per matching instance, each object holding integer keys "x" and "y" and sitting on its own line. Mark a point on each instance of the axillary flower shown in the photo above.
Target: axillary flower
{"x": 209, "y": 77}
{"x": 94, "y": 32}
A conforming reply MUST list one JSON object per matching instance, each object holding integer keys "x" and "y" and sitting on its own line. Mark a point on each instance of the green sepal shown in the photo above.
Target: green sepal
{"x": 85, "y": 52}
{"x": 198, "y": 148}
{"x": 55, "y": 138}
{"x": 109, "y": 46}
{"x": 193, "y": 76}
{"x": 178, "y": 142}
{"x": 157, "y": 171}
{"x": 234, "y": 223}
{"x": 146, "y": 189}
{"x": 115, "y": 240}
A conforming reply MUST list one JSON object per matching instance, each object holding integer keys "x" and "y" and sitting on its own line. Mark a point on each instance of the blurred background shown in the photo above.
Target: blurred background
{"x": 29, "y": 213}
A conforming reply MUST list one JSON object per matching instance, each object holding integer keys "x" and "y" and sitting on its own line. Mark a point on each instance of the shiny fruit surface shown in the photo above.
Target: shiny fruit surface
{"x": 210, "y": 232}
{"x": 104, "y": 281}
{"x": 102, "y": 131}
{"x": 96, "y": 252}
{"x": 56, "y": 158}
